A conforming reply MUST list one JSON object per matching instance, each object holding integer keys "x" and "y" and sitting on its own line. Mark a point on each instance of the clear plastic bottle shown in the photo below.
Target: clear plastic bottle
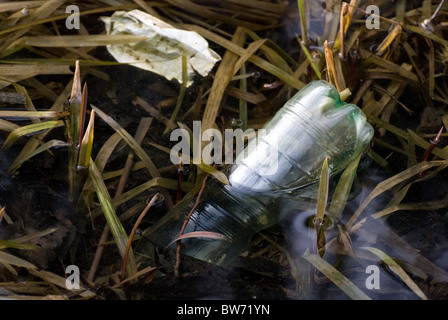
{"x": 313, "y": 125}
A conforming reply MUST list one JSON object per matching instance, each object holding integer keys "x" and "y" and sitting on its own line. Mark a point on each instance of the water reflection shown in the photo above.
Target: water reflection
{"x": 425, "y": 268}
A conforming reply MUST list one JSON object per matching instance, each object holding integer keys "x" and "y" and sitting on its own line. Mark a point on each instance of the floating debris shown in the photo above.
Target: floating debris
{"x": 162, "y": 52}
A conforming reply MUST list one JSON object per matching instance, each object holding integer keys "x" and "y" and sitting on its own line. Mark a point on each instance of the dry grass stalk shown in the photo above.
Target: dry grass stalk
{"x": 331, "y": 70}
{"x": 223, "y": 77}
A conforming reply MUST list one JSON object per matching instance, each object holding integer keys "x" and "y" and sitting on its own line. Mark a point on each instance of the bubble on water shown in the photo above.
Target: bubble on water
{"x": 434, "y": 141}
{"x": 427, "y": 25}
{"x": 80, "y": 168}
{"x": 159, "y": 201}
{"x": 354, "y": 54}
{"x": 342, "y": 57}
{"x": 373, "y": 47}
{"x": 185, "y": 170}
{"x": 327, "y": 223}
{"x": 236, "y": 123}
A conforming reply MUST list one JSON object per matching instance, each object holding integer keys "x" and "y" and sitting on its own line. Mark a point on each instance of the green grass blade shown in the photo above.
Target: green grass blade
{"x": 85, "y": 149}
{"x": 426, "y": 145}
{"x": 214, "y": 172}
{"x": 398, "y": 270}
{"x": 74, "y": 131}
{"x": 26, "y": 156}
{"x": 52, "y": 62}
{"x": 86, "y": 197}
{"x": 130, "y": 141}
{"x": 242, "y": 103}
{"x": 29, "y": 130}
{"x": 272, "y": 51}
{"x": 165, "y": 183}
{"x": 116, "y": 228}
{"x": 31, "y": 114}
{"x": 431, "y": 35}
{"x": 17, "y": 245}
{"x": 322, "y": 199}
{"x": 393, "y": 181}
{"x": 33, "y": 143}
{"x": 302, "y": 12}
{"x": 6, "y": 258}
{"x": 7, "y": 126}
{"x": 336, "y": 277}
{"x": 182, "y": 90}
{"x": 137, "y": 149}
{"x": 309, "y": 57}
{"x": 91, "y": 40}
{"x": 265, "y": 65}
{"x": 203, "y": 166}
{"x": 322, "y": 196}
{"x": 342, "y": 190}
{"x": 35, "y": 235}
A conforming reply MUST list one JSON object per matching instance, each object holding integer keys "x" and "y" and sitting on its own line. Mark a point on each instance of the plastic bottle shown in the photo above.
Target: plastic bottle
{"x": 313, "y": 125}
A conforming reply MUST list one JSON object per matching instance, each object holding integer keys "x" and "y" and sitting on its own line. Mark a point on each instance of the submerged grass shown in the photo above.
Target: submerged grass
{"x": 379, "y": 66}
{"x": 114, "y": 224}
{"x": 336, "y": 277}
